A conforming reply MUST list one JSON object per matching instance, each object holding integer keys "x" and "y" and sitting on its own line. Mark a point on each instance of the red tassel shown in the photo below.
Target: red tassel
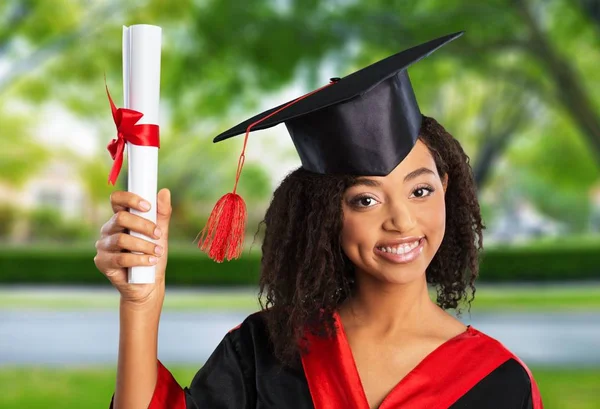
{"x": 223, "y": 235}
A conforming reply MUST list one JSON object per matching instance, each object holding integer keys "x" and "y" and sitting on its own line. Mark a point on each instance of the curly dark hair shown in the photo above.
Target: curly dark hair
{"x": 305, "y": 274}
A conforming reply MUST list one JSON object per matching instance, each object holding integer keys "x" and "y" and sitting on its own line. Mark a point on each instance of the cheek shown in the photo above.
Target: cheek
{"x": 357, "y": 232}
{"x": 349, "y": 233}
{"x": 433, "y": 221}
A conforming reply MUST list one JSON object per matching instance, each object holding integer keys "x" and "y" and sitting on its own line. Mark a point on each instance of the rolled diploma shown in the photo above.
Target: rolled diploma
{"x": 141, "y": 86}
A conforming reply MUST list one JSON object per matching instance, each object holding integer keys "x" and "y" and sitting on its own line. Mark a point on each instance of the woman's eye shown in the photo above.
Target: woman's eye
{"x": 420, "y": 191}
{"x": 363, "y": 201}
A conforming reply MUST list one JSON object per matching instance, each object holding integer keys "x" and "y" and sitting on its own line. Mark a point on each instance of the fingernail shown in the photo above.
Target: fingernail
{"x": 158, "y": 250}
{"x": 157, "y": 232}
{"x": 152, "y": 260}
{"x": 145, "y": 205}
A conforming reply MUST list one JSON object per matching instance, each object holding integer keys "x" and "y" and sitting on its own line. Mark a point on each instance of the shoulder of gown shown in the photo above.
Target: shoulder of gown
{"x": 511, "y": 375}
{"x": 243, "y": 370}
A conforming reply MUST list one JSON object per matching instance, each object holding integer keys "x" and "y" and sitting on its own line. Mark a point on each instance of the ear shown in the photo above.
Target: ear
{"x": 445, "y": 182}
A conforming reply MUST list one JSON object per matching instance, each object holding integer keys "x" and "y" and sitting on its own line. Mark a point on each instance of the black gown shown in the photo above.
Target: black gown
{"x": 469, "y": 371}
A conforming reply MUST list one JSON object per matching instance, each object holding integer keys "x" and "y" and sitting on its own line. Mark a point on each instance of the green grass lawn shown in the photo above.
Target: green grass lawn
{"x": 90, "y": 300}
{"x": 585, "y": 296}
{"x": 30, "y": 387}
{"x": 537, "y": 298}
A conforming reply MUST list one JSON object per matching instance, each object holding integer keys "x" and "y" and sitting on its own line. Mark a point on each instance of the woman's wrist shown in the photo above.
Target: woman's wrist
{"x": 151, "y": 304}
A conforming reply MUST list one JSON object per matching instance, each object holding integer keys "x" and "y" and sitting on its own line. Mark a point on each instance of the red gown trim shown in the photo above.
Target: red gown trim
{"x": 334, "y": 381}
{"x": 167, "y": 394}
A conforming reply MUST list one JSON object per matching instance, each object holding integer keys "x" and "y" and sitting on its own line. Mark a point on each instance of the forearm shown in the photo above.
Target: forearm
{"x": 137, "y": 362}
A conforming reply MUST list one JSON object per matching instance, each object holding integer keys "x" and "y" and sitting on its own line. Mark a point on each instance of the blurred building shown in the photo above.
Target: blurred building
{"x": 57, "y": 187}
{"x": 522, "y": 222}
{"x": 595, "y": 208}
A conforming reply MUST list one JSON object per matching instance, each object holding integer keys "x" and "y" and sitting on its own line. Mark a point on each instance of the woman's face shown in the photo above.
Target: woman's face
{"x": 394, "y": 224}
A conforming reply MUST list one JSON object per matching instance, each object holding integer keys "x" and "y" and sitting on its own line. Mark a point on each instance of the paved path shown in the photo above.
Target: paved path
{"x": 91, "y": 337}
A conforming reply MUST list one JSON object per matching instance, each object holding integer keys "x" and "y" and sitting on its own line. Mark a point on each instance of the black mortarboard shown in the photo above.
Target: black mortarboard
{"x": 362, "y": 124}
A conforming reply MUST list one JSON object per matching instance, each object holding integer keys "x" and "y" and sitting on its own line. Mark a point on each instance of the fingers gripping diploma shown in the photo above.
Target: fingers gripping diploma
{"x": 129, "y": 240}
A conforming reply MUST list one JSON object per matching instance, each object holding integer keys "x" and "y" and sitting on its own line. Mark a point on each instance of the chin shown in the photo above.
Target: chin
{"x": 393, "y": 274}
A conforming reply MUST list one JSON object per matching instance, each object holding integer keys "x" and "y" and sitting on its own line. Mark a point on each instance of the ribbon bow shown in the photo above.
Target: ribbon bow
{"x": 127, "y": 131}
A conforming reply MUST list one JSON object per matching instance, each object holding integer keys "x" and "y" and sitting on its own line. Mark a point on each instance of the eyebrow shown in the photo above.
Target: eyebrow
{"x": 412, "y": 175}
{"x": 416, "y": 173}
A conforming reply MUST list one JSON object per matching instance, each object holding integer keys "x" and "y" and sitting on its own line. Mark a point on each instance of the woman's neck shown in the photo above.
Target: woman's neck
{"x": 387, "y": 310}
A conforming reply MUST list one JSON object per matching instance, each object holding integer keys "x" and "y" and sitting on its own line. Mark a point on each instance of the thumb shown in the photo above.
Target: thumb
{"x": 163, "y": 210}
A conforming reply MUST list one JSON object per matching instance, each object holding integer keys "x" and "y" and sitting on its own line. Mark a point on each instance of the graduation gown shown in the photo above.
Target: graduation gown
{"x": 471, "y": 370}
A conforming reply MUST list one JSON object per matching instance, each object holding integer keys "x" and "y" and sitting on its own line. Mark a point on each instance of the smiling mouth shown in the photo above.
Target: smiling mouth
{"x": 403, "y": 253}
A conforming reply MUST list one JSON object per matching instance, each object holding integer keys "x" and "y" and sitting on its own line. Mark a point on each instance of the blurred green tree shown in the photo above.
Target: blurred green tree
{"x": 21, "y": 156}
{"x": 523, "y": 68}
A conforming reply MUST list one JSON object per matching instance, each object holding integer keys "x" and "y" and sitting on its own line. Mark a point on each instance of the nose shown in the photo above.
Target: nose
{"x": 399, "y": 218}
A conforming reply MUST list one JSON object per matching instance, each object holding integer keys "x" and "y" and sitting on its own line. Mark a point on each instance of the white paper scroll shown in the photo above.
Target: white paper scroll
{"x": 141, "y": 89}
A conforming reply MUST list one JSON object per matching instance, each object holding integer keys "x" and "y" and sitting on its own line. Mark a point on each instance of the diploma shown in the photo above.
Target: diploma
{"x": 141, "y": 86}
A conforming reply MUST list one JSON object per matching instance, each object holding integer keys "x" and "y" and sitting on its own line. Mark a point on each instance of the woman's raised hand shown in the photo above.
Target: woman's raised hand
{"x": 116, "y": 246}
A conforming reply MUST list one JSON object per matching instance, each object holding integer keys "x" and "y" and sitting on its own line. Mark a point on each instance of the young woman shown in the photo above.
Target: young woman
{"x": 350, "y": 248}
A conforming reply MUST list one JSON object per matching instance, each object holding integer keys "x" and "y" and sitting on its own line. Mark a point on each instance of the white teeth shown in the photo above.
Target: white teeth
{"x": 400, "y": 249}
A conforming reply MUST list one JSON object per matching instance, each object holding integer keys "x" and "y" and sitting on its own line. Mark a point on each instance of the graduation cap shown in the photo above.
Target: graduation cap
{"x": 363, "y": 124}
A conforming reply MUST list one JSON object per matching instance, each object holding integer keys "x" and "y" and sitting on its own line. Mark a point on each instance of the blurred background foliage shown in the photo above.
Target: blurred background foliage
{"x": 519, "y": 90}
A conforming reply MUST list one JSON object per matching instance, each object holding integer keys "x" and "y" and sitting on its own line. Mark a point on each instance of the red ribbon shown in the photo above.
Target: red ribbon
{"x": 127, "y": 131}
